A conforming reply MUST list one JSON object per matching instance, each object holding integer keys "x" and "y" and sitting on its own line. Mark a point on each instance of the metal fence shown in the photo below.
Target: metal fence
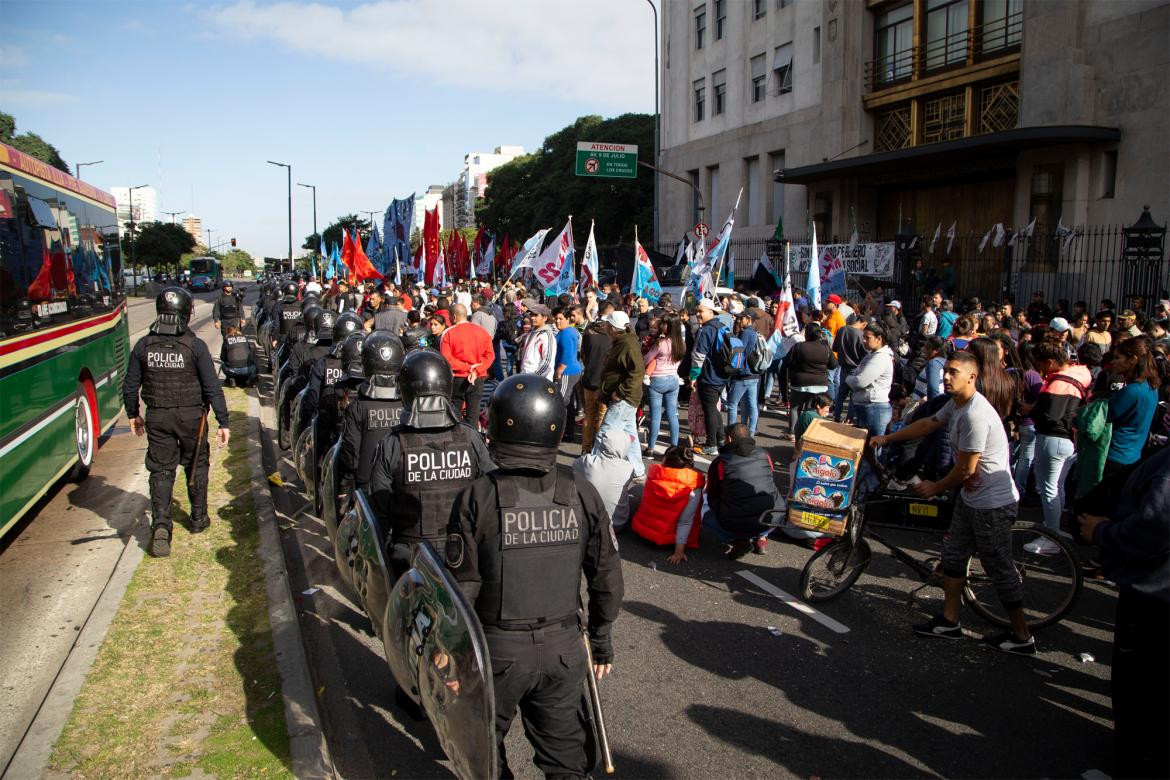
{"x": 1089, "y": 265}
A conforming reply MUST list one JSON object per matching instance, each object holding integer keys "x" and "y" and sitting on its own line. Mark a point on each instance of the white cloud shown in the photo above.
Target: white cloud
{"x": 600, "y": 51}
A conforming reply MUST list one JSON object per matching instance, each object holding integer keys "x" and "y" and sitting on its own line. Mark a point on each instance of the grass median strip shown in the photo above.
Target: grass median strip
{"x": 186, "y": 681}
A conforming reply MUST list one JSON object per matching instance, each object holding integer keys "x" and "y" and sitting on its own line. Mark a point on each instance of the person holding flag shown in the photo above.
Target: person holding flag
{"x": 589, "y": 262}
{"x": 644, "y": 283}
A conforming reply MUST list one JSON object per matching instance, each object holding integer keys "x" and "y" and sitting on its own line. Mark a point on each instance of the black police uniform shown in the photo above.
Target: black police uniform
{"x": 289, "y": 314}
{"x": 178, "y": 381}
{"x": 372, "y": 412}
{"x": 239, "y": 360}
{"x": 227, "y": 311}
{"x": 519, "y": 539}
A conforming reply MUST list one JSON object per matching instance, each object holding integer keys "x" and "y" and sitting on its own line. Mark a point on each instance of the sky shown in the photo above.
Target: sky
{"x": 367, "y": 101}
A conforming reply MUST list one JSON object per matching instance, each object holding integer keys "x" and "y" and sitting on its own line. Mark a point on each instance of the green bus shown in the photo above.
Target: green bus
{"x": 64, "y": 329}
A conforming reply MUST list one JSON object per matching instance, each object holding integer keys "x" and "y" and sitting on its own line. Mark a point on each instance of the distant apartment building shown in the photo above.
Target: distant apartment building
{"x": 194, "y": 225}
{"x": 144, "y": 205}
{"x": 472, "y": 182}
{"x": 425, "y": 202}
{"x": 888, "y": 113}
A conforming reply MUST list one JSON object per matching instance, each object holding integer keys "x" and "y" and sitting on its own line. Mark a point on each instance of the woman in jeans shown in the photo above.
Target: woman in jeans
{"x": 662, "y": 360}
{"x": 1065, "y": 388}
{"x": 1030, "y": 384}
{"x": 807, "y": 366}
{"x": 871, "y": 381}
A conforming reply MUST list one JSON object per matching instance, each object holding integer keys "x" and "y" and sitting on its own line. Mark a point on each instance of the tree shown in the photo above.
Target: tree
{"x": 160, "y": 244}
{"x": 541, "y": 189}
{"x": 236, "y": 261}
{"x": 30, "y": 143}
{"x": 332, "y": 233}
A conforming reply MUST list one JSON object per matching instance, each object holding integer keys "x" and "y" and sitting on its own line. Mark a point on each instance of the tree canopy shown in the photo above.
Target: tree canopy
{"x": 236, "y": 261}
{"x": 333, "y": 232}
{"x": 159, "y": 244}
{"x": 30, "y": 143}
{"x": 541, "y": 189}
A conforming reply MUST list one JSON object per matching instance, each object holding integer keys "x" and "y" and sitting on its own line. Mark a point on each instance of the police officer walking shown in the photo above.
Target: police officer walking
{"x": 373, "y": 413}
{"x": 519, "y": 539}
{"x": 424, "y": 461}
{"x": 177, "y": 377}
{"x": 228, "y": 311}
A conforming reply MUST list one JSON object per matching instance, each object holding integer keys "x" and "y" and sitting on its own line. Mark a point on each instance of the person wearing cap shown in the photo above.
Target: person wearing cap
{"x": 1127, "y": 321}
{"x": 389, "y": 314}
{"x": 897, "y": 329}
{"x": 1060, "y": 332}
{"x": 1038, "y": 310}
{"x": 537, "y": 349}
{"x": 707, "y": 380}
{"x": 621, "y": 385}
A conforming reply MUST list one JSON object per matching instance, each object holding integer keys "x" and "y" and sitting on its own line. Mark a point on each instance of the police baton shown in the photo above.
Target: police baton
{"x": 595, "y": 707}
{"x": 198, "y": 445}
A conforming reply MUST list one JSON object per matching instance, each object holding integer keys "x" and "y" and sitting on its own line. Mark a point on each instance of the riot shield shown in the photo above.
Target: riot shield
{"x": 361, "y": 560}
{"x": 437, "y": 652}
{"x": 327, "y": 490}
{"x": 306, "y": 462}
{"x": 299, "y": 414}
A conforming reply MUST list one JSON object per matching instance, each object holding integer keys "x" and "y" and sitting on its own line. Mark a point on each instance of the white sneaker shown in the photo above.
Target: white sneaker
{"x": 1042, "y": 545}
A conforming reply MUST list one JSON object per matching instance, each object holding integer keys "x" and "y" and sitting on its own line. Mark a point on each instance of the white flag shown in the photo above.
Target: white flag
{"x": 937, "y": 233}
{"x": 530, "y": 252}
{"x": 986, "y": 238}
{"x": 589, "y": 262}
{"x": 951, "y": 236}
{"x": 487, "y": 259}
{"x": 1031, "y": 226}
{"x": 853, "y": 239}
{"x": 1000, "y": 233}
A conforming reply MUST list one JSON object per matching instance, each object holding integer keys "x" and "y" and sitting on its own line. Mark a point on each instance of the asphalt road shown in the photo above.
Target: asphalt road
{"x": 55, "y": 565}
{"x": 718, "y": 675}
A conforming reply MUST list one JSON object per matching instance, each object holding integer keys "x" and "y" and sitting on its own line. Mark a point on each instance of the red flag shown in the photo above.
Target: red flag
{"x": 363, "y": 269}
{"x": 502, "y": 255}
{"x": 432, "y": 243}
{"x": 347, "y": 255}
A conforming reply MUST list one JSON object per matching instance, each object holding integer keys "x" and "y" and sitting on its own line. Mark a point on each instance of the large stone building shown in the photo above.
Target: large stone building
{"x": 926, "y": 111}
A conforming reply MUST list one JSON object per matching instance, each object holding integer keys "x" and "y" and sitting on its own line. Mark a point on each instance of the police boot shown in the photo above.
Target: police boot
{"x": 162, "y": 484}
{"x": 160, "y": 541}
{"x": 199, "y": 520}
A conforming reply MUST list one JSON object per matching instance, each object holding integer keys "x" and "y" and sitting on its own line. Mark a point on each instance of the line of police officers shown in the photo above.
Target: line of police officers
{"x": 516, "y": 529}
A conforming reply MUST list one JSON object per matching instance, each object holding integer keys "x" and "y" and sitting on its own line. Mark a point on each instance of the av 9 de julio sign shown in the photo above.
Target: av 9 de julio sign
{"x": 615, "y": 161}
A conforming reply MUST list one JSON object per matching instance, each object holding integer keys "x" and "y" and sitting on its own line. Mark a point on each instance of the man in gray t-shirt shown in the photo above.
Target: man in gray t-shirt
{"x": 984, "y": 511}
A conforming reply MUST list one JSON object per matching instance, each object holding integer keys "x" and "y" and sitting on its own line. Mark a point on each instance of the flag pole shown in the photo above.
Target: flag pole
{"x": 723, "y": 259}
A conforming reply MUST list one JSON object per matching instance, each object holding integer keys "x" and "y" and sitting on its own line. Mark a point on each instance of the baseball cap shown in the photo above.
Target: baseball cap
{"x": 707, "y": 303}
{"x": 1058, "y": 324}
{"x": 835, "y": 298}
{"x": 538, "y": 308}
{"x": 617, "y": 318}
{"x": 895, "y": 304}
{"x": 1127, "y": 315}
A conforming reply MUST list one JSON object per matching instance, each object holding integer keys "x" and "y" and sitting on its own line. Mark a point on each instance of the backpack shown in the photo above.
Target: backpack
{"x": 760, "y": 358}
{"x": 731, "y": 354}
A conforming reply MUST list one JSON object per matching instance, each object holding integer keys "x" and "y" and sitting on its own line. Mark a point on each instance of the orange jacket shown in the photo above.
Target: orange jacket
{"x": 663, "y": 499}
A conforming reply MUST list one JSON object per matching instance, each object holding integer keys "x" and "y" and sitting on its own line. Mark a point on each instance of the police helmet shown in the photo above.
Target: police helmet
{"x": 527, "y": 409}
{"x": 310, "y": 301}
{"x": 425, "y": 374}
{"x": 173, "y": 306}
{"x": 351, "y": 357}
{"x": 289, "y": 290}
{"x": 344, "y": 325}
{"x": 309, "y": 317}
{"x": 323, "y": 327}
{"x": 382, "y": 356}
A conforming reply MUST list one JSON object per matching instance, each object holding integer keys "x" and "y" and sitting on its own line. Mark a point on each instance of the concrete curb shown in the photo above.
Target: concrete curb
{"x": 32, "y": 757}
{"x": 307, "y": 745}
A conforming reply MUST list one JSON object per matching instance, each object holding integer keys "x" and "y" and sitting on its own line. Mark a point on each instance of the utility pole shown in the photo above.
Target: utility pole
{"x": 657, "y": 132}
{"x": 289, "y": 169}
{"x": 173, "y": 215}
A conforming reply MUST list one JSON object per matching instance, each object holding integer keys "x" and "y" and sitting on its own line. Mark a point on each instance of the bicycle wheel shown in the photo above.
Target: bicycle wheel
{"x": 1052, "y": 578}
{"x": 833, "y": 569}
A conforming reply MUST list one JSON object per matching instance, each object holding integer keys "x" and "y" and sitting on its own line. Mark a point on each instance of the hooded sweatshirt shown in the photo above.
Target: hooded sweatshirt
{"x": 1061, "y": 396}
{"x": 607, "y": 468}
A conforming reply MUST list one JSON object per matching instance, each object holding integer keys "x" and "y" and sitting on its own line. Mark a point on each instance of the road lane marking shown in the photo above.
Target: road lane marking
{"x": 794, "y": 602}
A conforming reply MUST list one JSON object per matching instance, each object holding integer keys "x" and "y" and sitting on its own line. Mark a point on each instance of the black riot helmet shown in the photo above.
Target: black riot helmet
{"x": 350, "y": 352}
{"x": 323, "y": 327}
{"x": 173, "y": 306}
{"x": 309, "y": 316}
{"x": 527, "y": 409}
{"x": 309, "y": 302}
{"x": 425, "y": 374}
{"x": 382, "y": 356}
{"x": 289, "y": 291}
{"x": 344, "y": 325}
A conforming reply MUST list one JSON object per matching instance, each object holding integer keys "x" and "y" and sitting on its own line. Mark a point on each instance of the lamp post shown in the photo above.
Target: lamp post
{"x": 173, "y": 214}
{"x": 1145, "y": 242}
{"x": 313, "y": 187}
{"x": 657, "y": 133}
{"x": 289, "y": 169}
{"x": 133, "y": 244}
{"x": 79, "y": 166}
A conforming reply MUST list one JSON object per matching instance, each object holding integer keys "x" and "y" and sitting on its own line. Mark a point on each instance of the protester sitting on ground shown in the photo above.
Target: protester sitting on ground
{"x": 672, "y": 500}
{"x": 740, "y": 490}
{"x": 609, "y": 470}
{"x": 816, "y": 408}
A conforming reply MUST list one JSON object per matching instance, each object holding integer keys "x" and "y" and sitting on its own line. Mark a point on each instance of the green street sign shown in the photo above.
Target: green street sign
{"x": 614, "y": 161}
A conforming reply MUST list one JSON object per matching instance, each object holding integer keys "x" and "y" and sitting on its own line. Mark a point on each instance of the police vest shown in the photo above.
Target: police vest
{"x": 434, "y": 467}
{"x": 378, "y": 418}
{"x": 237, "y": 351}
{"x": 327, "y": 400}
{"x": 290, "y": 318}
{"x": 169, "y": 378}
{"x": 229, "y": 308}
{"x": 532, "y": 570}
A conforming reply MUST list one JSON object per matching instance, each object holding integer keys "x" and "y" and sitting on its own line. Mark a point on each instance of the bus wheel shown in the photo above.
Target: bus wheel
{"x": 85, "y": 429}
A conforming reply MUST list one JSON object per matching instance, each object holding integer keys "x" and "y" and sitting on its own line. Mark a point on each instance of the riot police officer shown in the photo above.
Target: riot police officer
{"x": 237, "y": 357}
{"x": 175, "y": 372}
{"x": 321, "y": 396}
{"x": 519, "y": 539}
{"x": 424, "y": 461}
{"x": 288, "y": 311}
{"x": 227, "y": 311}
{"x": 376, "y": 409}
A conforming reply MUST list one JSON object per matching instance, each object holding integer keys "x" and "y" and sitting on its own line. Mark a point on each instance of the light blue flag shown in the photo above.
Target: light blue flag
{"x": 373, "y": 250}
{"x": 814, "y": 273}
{"x": 323, "y": 255}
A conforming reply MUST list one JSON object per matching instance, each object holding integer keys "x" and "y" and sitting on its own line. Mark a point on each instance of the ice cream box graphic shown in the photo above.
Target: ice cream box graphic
{"x": 826, "y": 465}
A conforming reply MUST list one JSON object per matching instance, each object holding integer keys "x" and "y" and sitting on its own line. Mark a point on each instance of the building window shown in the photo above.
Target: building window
{"x": 719, "y": 88}
{"x": 700, "y": 96}
{"x": 943, "y": 118}
{"x": 713, "y": 191}
{"x": 816, "y": 45}
{"x": 751, "y": 175}
{"x": 700, "y": 25}
{"x": 759, "y": 8}
{"x": 1003, "y": 24}
{"x": 696, "y": 215}
{"x": 759, "y": 78}
{"x": 946, "y": 33}
{"x": 892, "y": 129}
{"x": 999, "y": 106}
{"x": 894, "y": 45}
{"x": 776, "y": 206}
{"x": 823, "y": 215}
{"x": 720, "y": 18}
{"x": 782, "y": 67}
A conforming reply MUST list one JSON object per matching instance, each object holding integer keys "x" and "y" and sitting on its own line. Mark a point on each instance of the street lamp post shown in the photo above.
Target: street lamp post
{"x": 657, "y": 134}
{"x": 313, "y": 187}
{"x": 79, "y": 166}
{"x": 289, "y": 169}
{"x": 173, "y": 214}
{"x": 133, "y": 244}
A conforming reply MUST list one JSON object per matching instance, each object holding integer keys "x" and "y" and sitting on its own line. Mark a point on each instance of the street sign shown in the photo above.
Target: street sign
{"x": 702, "y": 229}
{"x": 606, "y": 160}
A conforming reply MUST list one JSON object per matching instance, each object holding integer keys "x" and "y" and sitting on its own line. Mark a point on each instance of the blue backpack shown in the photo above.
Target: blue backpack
{"x": 732, "y": 359}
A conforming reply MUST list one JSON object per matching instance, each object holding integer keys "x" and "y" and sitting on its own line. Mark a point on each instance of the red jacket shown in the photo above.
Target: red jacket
{"x": 663, "y": 500}
{"x": 465, "y": 344}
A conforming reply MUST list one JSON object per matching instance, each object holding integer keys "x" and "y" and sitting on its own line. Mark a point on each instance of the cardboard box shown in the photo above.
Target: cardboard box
{"x": 825, "y": 470}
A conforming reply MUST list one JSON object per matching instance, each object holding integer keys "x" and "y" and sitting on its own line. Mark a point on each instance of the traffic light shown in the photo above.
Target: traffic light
{"x": 233, "y": 242}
